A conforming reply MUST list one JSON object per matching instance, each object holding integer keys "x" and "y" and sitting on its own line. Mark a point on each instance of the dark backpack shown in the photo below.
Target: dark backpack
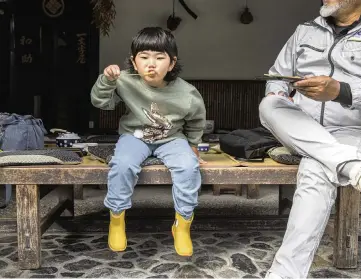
{"x": 248, "y": 144}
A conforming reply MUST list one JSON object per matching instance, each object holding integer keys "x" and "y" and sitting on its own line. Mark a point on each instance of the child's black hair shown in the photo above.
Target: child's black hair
{"x": 155, "y": 39}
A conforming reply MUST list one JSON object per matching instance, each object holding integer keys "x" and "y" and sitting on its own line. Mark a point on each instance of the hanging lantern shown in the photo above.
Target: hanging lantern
{"x": 246, "y": 16}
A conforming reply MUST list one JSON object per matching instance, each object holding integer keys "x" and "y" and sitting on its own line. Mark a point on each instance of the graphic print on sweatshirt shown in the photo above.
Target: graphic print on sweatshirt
{"x": 159, "y": 127}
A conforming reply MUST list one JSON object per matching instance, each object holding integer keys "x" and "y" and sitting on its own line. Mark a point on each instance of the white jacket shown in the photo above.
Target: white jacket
{"x": 314, "y": 49}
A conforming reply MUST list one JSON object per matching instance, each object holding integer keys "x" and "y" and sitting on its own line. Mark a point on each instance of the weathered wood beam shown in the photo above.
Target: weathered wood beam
{"x": 149, "y": 175}
{"x": 346, "y": 227}
{"x": 28, "y": 223}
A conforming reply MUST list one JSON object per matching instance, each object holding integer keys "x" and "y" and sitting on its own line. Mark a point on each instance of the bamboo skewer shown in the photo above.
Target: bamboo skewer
{"x": 146, "y": 74}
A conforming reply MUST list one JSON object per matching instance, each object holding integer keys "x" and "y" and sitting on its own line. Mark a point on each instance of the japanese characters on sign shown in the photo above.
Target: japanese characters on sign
{"x": 27, "y": 56}
{"x": 81, "y": 50}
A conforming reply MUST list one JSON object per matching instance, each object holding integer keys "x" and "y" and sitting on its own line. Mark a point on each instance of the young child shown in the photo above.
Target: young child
{"x": 165, "y": 118}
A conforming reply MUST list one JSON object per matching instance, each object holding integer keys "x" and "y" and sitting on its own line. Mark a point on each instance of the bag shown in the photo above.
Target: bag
{"x": 248, "y": 144}
{"x": 18, "y": 132}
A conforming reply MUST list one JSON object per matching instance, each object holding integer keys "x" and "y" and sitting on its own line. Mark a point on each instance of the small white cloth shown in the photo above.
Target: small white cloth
{"x": 138, "y": 134}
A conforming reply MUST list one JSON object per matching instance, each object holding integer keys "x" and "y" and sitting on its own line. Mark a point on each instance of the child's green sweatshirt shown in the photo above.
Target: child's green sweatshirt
{"x": 155, "y": 115}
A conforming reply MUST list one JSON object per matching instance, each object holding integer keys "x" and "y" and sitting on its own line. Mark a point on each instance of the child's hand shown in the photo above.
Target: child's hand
{"x": 195, "y": 150}
{"x": 112, "y": 72}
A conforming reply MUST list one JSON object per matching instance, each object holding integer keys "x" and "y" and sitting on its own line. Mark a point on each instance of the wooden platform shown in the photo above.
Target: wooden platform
{"x": 63, "y": 177}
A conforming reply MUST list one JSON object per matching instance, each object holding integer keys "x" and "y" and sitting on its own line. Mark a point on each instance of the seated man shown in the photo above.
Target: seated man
{"x": 322, "y": 123}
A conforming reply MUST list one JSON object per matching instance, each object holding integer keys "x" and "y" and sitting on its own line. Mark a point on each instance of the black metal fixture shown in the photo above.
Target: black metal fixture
{"x": 246, "y": 16}
{"x": 174, "y": 21}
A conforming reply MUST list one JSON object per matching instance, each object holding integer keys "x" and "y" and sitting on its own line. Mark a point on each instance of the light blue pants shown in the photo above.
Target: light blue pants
{"x": 177, "y": 156}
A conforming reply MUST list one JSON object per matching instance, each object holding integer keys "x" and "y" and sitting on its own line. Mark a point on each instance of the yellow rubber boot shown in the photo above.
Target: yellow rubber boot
{"x": 117, "y": 239}
{"x": 181, "y": 231}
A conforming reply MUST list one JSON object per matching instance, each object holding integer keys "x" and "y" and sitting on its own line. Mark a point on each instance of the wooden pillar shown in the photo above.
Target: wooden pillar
{"x": 78, "y": 192}
{"x": 346, "y": 228}
{"x": 252, "y": 191}
{"x": 28, "y": 226}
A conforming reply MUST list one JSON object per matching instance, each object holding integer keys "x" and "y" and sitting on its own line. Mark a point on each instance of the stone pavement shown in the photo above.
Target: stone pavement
{"x": 151, "y": 255}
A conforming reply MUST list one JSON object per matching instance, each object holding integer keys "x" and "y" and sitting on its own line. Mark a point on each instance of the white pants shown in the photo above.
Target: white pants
{"x": 324, "y": 151}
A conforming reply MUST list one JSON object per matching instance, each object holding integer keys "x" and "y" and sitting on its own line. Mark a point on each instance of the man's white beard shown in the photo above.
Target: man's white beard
{"x": 327, "y": 11}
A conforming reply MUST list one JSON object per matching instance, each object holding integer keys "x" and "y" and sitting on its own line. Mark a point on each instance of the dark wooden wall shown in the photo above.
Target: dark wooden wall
{"x": 4, "y": 53}
{"x": 232, "y": 104}
{"x": 54, "y": 57}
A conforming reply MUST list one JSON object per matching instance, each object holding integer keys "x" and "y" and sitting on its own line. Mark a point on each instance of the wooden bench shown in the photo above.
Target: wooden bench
{"x": 30, "y": 226}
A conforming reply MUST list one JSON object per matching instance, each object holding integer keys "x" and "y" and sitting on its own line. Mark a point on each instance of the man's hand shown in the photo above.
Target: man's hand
{"x": 112, "y": 72}
{"x": 195, "y": 150}
{"x": 319, "y": 88}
